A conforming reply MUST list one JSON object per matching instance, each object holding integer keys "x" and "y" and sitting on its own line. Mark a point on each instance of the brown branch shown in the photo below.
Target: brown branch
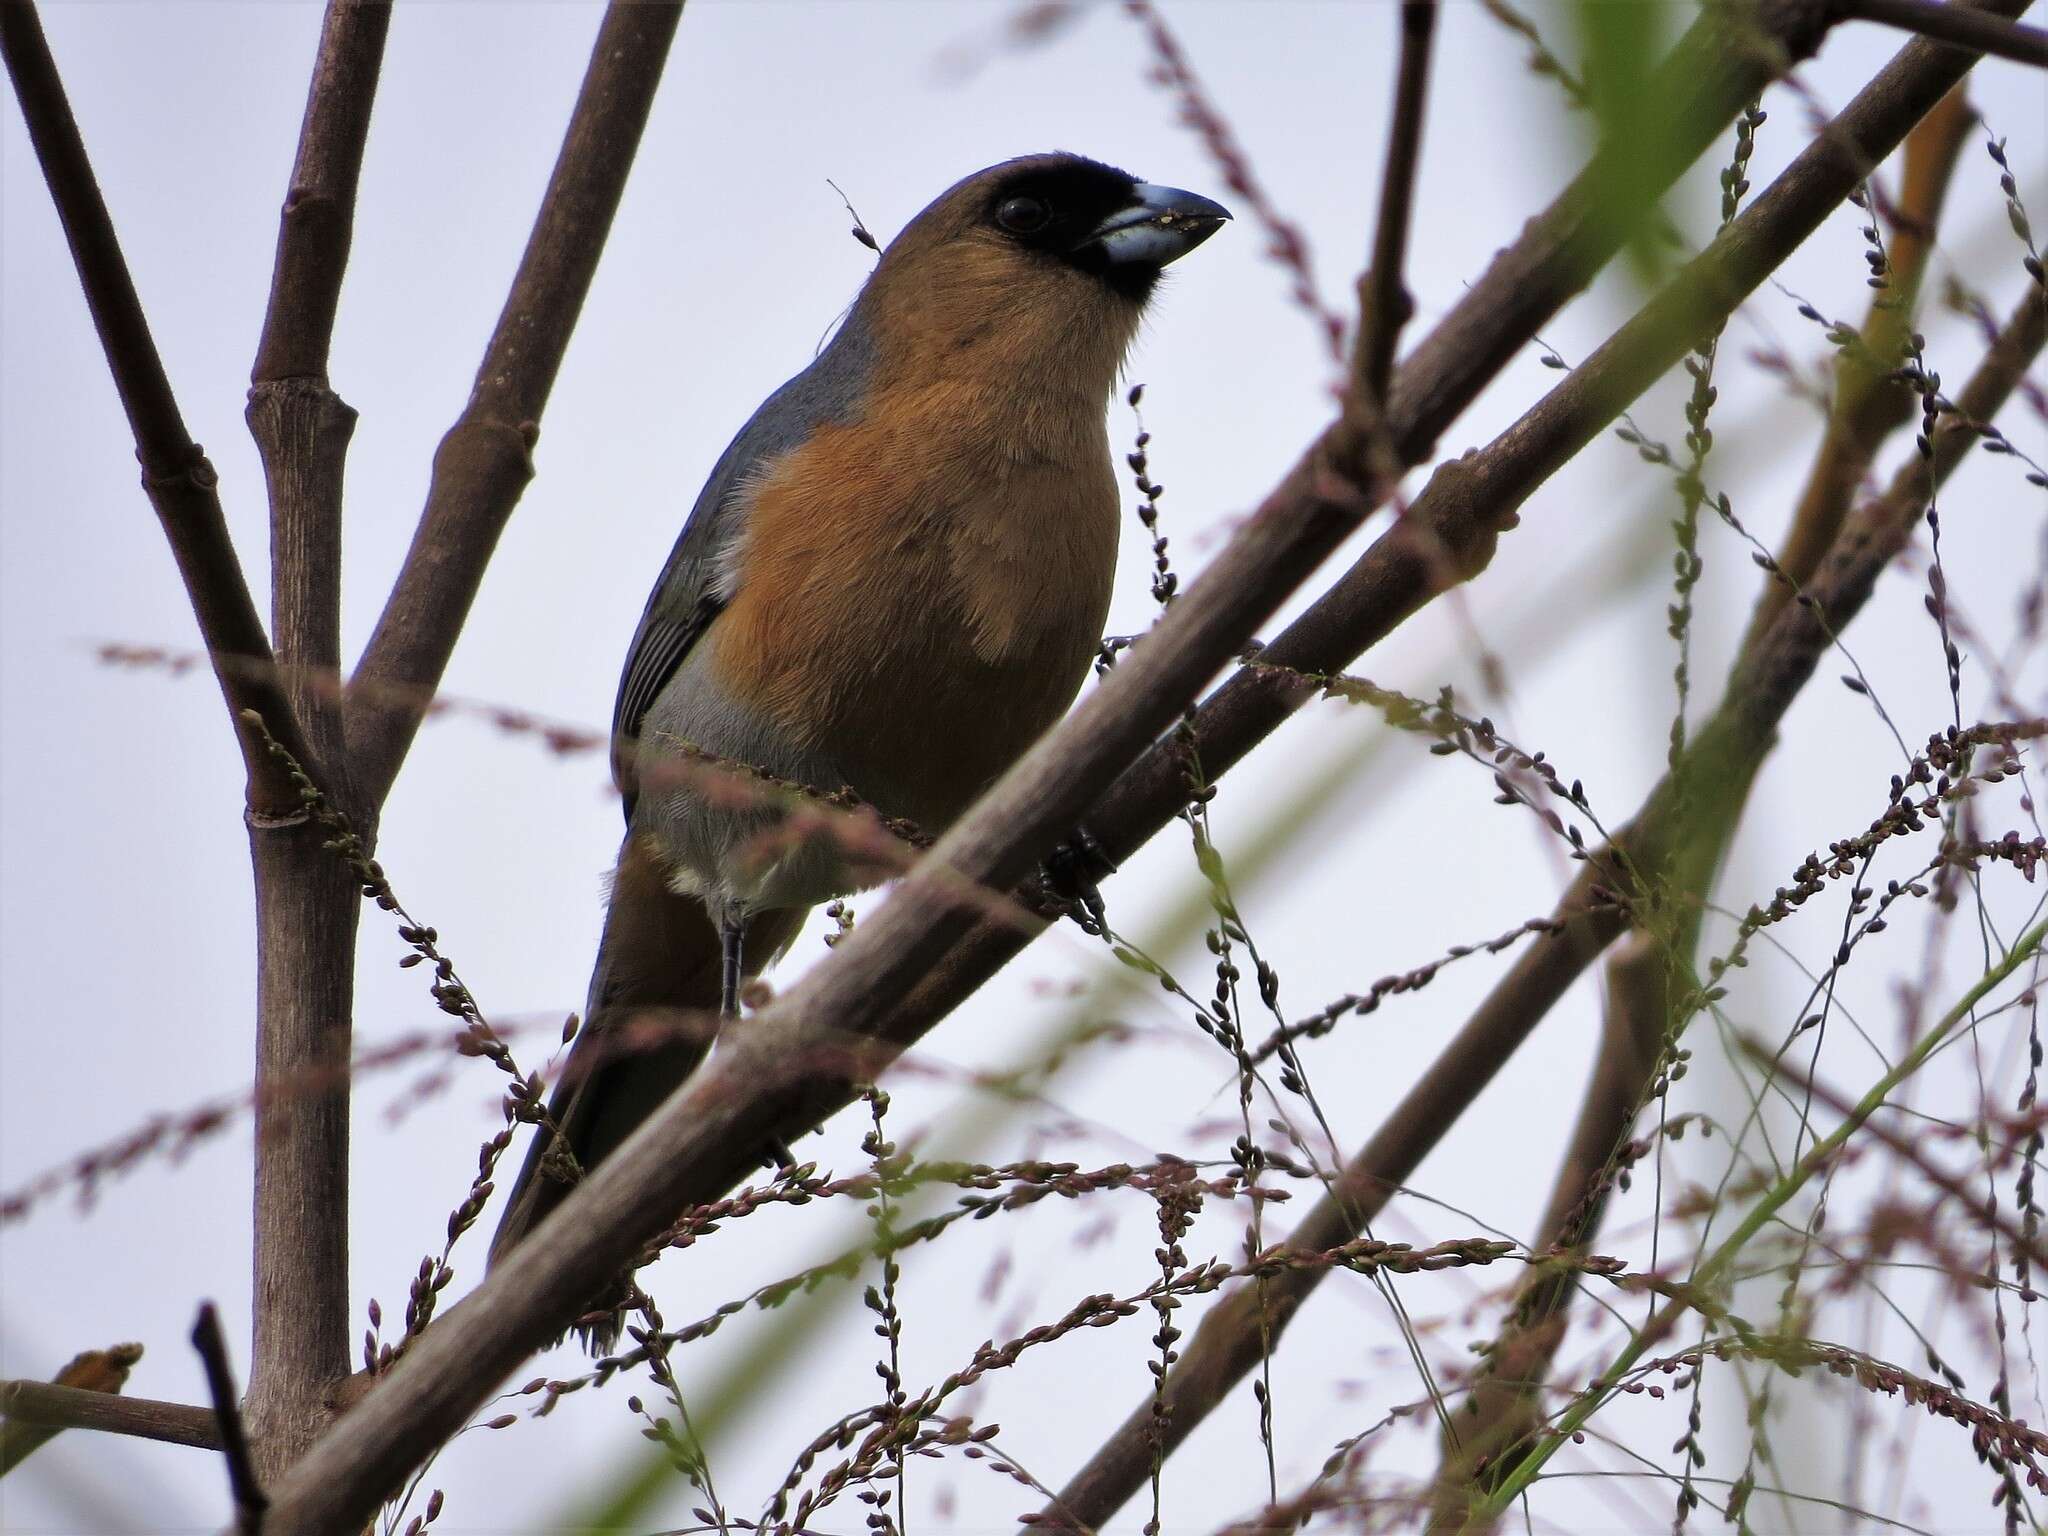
{"x": 54, "y": 1406}
{"x": 180, "y": 483}
{"x": 1384, "y": 303}
{"x": 250, "y": 1501}
{"x": 33, "y": 1412}
{"x": 318, "y": 217}
{"x": 1960, "y": 25}
{"x": 485, "y": 460}
{"x": 1723, "y": 757}
{"x": 301, "y": 426}
{"x": 1503, "y": 1405}
{"x": 308, "y": 905}
{"x": 694, "y": 1147}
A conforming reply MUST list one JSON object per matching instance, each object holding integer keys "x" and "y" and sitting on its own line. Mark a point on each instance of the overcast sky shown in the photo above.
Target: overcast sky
{"x": 124, "y": 902}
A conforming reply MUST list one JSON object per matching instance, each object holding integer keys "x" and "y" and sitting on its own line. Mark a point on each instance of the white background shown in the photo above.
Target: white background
{"x": 126, "y": 983}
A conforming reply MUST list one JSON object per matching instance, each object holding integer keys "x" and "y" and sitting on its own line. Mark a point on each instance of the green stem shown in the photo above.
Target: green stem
{"x": 1774, "y": 1200}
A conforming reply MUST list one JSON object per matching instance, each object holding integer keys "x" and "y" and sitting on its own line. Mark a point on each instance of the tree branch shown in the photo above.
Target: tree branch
{"x": 318, "y": 217}
{"x": 55, "y": 1406}
{"x": 301, "y": 426}
{"x": 96, "y": 1376}
{"x": 485, "y": 460}
{"x": 307, "y": 903}
{"x": 1959, "y": 25}
{"x": 180, "y": 483}
{"x": 1384, "y": 304}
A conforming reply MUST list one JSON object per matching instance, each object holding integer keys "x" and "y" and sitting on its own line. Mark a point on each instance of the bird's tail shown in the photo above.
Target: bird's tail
{"x": 649, "y": 1022}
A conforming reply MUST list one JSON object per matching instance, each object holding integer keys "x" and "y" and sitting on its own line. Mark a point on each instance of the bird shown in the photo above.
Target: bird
{"x": 893, "y": 582}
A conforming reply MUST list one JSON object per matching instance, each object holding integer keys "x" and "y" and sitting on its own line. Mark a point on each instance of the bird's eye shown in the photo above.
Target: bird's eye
{"x": 1023, "y": 215}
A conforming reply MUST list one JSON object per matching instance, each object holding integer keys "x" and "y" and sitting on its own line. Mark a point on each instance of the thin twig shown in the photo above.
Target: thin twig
{"x": 180, "y": 483}
{"x": 1963, "y": 25}
{"x": 1384, "y": 303}
{"x": 250, "y": 1501}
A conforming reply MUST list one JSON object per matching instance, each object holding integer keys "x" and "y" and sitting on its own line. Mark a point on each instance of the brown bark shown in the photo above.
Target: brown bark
{"x": 307, "y": 904}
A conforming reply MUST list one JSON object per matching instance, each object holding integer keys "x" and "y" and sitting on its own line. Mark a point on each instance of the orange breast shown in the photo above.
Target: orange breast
{"x": 920, "y": 592}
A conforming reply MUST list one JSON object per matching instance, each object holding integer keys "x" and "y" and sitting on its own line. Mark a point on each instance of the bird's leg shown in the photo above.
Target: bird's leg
{"x": 732, "y": 940}
{"x": 732, "y": 943}
{"x": 1071, "y": 872}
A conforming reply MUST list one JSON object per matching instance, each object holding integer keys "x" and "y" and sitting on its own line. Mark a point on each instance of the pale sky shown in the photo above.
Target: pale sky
{"x": 126, "y": 976}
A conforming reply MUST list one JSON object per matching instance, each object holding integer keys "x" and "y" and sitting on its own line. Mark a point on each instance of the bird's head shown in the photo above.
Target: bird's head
{"x": 1044, "y": 250}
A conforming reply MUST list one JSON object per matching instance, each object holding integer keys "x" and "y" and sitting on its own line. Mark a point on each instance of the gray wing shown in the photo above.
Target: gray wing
{"x": 688, "y": 597}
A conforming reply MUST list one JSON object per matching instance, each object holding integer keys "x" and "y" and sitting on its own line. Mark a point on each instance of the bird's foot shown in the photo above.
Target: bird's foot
{"x": 1071, "y": 873}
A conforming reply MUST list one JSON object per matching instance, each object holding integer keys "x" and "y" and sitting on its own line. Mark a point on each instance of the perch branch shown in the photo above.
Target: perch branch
{"x": 55, "y": 1406}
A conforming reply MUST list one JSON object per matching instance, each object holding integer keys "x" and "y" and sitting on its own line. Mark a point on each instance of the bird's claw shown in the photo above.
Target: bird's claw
{"x": 1071, "y": 872}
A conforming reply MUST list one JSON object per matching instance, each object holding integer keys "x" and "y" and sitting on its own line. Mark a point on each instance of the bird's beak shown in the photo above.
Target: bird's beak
{"x": 1158, "y": 225}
